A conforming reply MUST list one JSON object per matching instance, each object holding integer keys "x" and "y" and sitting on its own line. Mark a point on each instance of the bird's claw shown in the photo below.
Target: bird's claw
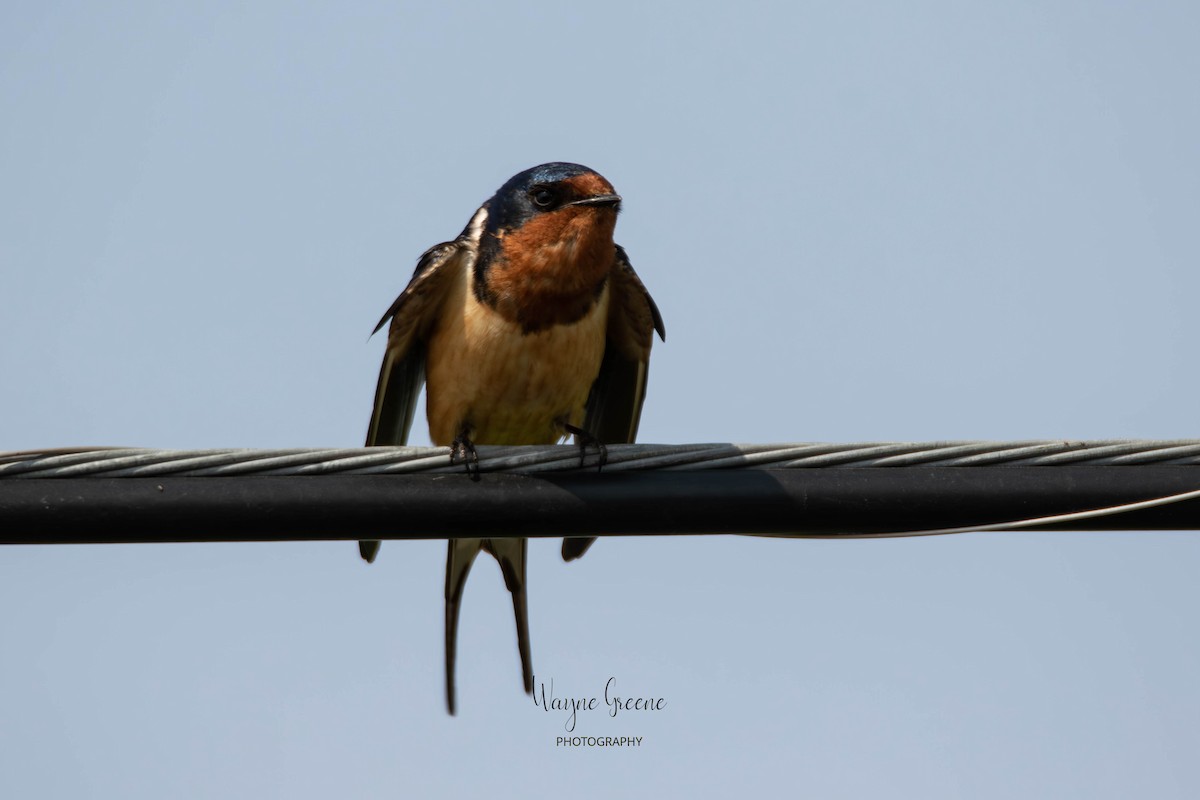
{"x": 462, "y": 450}
{"x": 586, "y": 440}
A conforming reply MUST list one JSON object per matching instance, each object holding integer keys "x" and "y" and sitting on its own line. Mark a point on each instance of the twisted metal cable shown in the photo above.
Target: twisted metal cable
{"x": 146, "y": 463}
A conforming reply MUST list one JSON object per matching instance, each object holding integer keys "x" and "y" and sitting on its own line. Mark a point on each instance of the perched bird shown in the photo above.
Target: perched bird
{"x": 530, "y": 326}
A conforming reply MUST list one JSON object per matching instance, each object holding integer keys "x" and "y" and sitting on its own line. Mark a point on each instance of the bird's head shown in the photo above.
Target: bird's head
{"x": 546, "y": 246}
{"x": 556, "y": 191}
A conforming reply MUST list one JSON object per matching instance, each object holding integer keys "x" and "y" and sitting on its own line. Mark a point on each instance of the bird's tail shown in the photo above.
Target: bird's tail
{"x": 510, "y": 553}
{"x": 460, "y": 555}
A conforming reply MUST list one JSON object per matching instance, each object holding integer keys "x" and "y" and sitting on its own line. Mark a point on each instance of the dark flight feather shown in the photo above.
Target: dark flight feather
{"x": 614, "y": 406}
{"x": 403, "y": 371}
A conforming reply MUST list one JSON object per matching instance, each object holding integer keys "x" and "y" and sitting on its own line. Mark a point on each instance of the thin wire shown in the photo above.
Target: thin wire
{"x": 1031, "y": 522}
{"x": 143, "y": 462}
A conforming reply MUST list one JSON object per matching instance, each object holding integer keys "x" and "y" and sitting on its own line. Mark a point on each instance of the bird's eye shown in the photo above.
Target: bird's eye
{"x": 544, "y": 197}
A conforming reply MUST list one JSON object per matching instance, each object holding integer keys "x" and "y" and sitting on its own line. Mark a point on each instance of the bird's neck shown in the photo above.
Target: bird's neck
{"x": 550, "y": 271}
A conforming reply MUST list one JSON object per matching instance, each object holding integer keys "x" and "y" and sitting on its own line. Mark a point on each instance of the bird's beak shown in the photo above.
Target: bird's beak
{"x": 598, "y": 200}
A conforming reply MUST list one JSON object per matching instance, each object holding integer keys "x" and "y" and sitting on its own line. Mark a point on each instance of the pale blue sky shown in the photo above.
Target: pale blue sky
{"x": 862, "y": 221}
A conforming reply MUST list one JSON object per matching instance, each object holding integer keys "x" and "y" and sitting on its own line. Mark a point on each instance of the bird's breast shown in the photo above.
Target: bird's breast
{"x": 550, "y": 270}
{"x": 489, "y": 377}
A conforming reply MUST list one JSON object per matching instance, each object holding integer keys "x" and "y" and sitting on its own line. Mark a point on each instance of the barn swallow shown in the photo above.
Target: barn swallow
{"x": 530, "y": 326}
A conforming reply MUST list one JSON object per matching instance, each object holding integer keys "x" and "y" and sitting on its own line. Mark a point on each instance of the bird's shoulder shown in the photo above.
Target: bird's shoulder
{"x": 634, "y": 317}
{"x": 431, "y": 282}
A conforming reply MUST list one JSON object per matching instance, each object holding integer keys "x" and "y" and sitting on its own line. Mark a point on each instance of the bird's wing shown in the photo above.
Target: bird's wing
{"x": 614, "y": 406}
{"x": 403, "y": 370}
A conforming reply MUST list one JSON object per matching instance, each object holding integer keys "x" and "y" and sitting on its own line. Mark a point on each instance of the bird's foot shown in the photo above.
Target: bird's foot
{"x": 462, "y": 451}
{"x": 586, "y": 440}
